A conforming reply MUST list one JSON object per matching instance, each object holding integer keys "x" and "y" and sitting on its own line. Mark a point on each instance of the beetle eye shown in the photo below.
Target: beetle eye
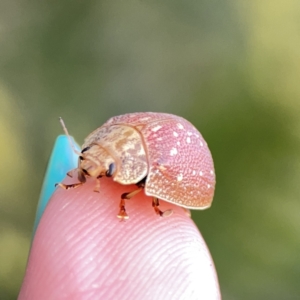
{"x": 85, "y": 149}
{"x": 111, "y": 170}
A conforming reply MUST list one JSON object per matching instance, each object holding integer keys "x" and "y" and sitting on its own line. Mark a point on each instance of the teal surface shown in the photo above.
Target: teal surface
{"x": 62, "y": 160}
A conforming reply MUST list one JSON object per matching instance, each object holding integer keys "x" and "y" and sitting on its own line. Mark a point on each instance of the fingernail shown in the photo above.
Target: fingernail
{"x": 62, "y": 160}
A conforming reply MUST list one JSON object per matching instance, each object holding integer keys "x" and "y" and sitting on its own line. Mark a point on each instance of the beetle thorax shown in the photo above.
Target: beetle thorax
{"x": 121, "y": 145}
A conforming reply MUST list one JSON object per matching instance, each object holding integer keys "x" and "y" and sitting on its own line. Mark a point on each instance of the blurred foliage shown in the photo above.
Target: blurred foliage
{"x": 231, "y": 67}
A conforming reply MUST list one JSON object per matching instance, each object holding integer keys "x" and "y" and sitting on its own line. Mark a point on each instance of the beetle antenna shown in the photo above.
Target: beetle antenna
{"x": 67, "y": 134}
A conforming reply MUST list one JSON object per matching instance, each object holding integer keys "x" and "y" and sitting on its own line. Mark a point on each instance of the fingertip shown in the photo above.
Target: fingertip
{"x": 82, "y": 250}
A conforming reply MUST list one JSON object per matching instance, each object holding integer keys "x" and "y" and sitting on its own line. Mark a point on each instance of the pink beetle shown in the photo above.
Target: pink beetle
{"x": 163, "y": 154}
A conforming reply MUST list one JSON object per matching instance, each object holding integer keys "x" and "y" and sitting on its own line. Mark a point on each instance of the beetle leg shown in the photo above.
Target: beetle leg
{"x": 142, "y": 182}
{"x": 97, "y": 186}
{"x": 187, "y": 212}
{"x": 122, "y": 213}
{"x": 155, "y": 204}
{"x": 126, "y": 196}
{"x": 69, "y": 186}
{"x": 70, "y": 173}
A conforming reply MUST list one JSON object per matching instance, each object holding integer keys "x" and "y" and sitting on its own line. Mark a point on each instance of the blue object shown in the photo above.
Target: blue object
{"x": 62, "y": 160}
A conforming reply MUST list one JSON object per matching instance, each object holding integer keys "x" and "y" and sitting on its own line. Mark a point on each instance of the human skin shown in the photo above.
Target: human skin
{"x": 81, "y": 250}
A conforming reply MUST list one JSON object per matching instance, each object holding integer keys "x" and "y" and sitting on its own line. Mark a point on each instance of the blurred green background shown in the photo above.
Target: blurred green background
{"x": 230, "y": 67}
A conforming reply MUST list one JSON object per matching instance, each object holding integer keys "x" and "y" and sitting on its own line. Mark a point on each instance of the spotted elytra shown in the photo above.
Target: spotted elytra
{"x": 163, "y": 154}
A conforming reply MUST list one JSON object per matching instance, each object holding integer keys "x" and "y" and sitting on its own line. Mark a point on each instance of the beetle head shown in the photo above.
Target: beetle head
{"x": 96, "y": 162}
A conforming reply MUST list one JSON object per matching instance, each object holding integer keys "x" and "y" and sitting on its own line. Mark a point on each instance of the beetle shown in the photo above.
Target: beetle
{"x": 162, "y": 154}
